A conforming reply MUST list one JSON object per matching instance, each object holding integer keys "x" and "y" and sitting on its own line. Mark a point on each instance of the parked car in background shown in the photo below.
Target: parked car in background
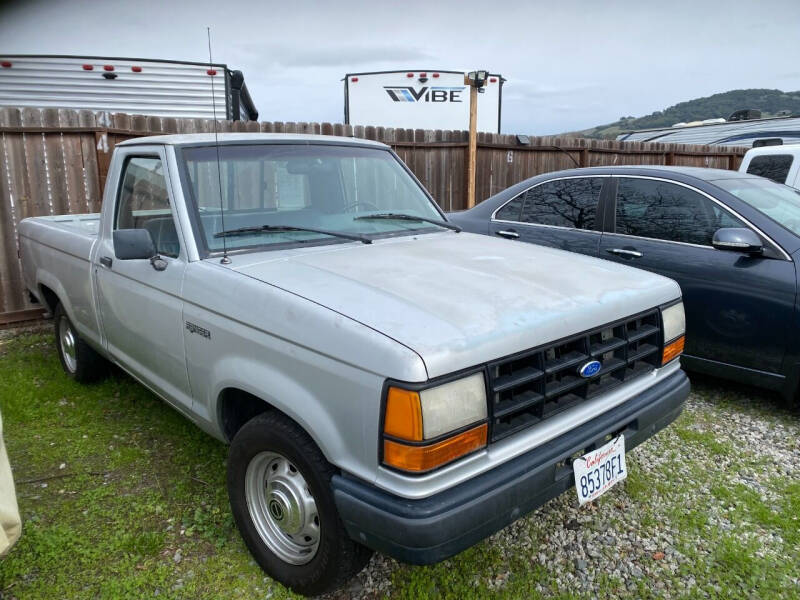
{"x": 779, "y": 163}
{"x": 729, "y": 239}
{"x": 378, "y": 389}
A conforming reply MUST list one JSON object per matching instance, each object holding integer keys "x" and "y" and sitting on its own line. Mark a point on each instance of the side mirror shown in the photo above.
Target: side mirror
{"x": 737, "y": 239}
{"x": 134, "y": 244}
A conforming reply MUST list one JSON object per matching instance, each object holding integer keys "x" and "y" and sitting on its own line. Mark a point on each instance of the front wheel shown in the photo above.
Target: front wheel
{"x": 280, "y": 494}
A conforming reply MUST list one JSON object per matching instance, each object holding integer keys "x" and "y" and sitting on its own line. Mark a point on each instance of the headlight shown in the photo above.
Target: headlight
{"x": 674, "y": 320}
{"x": 442, "y": 423}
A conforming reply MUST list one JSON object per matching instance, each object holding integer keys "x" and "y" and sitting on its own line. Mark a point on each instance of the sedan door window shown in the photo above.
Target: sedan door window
{"x": 570, "y": 203}
{"x": 666, "y": 211}
{"x": 511, "y": 211}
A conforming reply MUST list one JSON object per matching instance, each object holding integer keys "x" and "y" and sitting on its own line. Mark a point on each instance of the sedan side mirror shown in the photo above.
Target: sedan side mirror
{"x": 133, "y": 244}
{"x": 738, "y": 239}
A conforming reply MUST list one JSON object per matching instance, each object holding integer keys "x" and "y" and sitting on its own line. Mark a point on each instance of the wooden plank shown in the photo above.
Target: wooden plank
{"x": 17, "y": 316}
{"x": 54, "y": 164}
{"x": 91, "y": 173}
{"x": 73, "y": 162}
{"x": 8, "y": 238}
{"x": 40, "y": 201}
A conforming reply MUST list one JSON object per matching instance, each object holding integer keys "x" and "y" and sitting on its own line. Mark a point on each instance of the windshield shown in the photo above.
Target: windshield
{"x": 777, "y": 201}
{"x": 269, "y": 187}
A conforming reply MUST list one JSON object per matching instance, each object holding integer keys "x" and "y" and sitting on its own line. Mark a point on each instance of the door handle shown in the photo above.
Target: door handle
{"x": 106, "y": 261}
{"x": 508, "y": 233}
{"x": 625, "y": 253}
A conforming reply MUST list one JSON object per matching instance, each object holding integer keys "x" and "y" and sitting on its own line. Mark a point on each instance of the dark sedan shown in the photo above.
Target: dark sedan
{"x": 731, "y": 240}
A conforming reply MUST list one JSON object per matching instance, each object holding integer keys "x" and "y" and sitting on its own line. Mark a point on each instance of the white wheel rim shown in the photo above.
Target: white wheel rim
{"x": 282, "y": 508}
{"x": 67, "y": 339}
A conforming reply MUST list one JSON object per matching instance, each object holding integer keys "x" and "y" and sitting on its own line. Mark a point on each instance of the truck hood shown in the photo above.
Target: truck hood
{"x": 459, "y": 300}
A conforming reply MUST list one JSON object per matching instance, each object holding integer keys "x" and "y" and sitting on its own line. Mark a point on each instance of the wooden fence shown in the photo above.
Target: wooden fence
{"x": 54, "y": 161}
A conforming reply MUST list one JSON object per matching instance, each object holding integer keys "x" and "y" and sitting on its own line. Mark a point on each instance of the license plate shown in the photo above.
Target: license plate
{"x": 596, "y": 472}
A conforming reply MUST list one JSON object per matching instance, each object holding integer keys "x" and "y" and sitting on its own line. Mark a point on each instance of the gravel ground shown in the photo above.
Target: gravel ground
{"x": 701, "y": 515}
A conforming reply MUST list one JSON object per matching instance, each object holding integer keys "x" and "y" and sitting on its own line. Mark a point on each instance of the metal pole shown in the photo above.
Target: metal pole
{"x": 473, "y": 144}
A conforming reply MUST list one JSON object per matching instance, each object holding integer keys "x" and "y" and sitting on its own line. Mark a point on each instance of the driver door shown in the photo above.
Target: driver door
{"x": 141, "y": 307}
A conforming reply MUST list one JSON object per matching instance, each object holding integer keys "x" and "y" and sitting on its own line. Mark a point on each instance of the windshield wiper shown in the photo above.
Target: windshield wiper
{"x": 405, "y": 217}
{"x": 260, "y": 228}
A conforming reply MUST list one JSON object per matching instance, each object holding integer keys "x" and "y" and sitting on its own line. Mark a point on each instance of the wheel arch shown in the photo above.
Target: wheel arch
{"x": 236, "y": 406}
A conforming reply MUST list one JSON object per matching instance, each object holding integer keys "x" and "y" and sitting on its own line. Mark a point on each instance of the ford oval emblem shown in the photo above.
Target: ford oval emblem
{"x": 590, "y": 368}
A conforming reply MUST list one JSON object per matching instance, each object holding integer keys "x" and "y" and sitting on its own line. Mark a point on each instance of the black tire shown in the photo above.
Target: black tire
{"x": 85, "y": 365}
{"x": 337, "y": 557}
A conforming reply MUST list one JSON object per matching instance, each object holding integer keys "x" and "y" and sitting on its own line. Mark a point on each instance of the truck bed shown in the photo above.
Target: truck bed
{"x": 56, "y": 251}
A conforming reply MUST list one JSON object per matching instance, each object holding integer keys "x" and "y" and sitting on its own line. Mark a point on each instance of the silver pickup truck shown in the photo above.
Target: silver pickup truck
{"x": 384, "y": 381}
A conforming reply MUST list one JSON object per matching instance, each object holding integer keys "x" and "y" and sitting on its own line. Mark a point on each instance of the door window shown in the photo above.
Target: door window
{"x": 144, "y": 203}
{"x": 510, "y": 212}
{"x": 666, "y": 211}
{"x": 568, "y": 203}
{"x": 771, "y": 166}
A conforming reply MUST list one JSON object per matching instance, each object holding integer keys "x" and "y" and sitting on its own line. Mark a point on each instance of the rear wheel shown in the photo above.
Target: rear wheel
{"x": 78, "y": 359}
{"x": 279, "y": 488}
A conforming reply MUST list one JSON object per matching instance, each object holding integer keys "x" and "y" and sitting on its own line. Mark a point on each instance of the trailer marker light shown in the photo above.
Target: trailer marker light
{"x": 436, "y": 75}
{"x": 423, "y": 74}
{"x": 354, "y": 79}
{"x": 5, "y": 64}
{"x": 136, "y": 69}
{"x": 211, "y": 72}
{"x": 108, "y": 67}
{"x": 492, "y": 80}
{"x": 88, "y": 67}
{"x": 409, "y": 75}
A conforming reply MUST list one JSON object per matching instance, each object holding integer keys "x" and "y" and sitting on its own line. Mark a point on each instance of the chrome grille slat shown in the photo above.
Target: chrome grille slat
{"x": 532, "y": 386}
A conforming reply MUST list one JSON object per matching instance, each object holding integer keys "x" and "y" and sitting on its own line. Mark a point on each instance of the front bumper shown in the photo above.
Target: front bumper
{"x": 431, "y": 529}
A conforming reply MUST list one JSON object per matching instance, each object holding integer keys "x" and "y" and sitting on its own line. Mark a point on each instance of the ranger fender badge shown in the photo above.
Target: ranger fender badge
{"x": 192, "y": 328}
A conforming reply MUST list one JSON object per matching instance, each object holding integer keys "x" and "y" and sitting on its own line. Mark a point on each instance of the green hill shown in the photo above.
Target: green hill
{"x": 769, "y": 102}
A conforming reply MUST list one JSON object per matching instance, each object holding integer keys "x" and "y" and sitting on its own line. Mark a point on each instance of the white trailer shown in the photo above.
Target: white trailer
{"x": 420, "y": 99}
{"x": 166, "y": 88}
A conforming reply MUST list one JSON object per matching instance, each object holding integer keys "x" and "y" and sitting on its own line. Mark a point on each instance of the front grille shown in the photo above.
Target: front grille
{"x": 530, "y": 387}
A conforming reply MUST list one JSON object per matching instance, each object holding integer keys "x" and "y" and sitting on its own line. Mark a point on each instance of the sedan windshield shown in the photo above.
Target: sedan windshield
{"x": 779, "y": 202}
{"x": 278, "y": 194}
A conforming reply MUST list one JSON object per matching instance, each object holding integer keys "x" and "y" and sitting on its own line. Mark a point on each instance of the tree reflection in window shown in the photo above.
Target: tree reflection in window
{"x": 666, "y": 211}
{"x": 563, "y": 203}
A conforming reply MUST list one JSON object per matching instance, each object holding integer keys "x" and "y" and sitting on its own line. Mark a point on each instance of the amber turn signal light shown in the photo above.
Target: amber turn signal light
{"x": 673, "y": 350}
{"x": 418, "y": 459}
{"x": 403, "y": 417}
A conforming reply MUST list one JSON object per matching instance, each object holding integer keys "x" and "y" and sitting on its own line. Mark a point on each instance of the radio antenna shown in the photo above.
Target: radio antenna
{"x": 225, "y": 260}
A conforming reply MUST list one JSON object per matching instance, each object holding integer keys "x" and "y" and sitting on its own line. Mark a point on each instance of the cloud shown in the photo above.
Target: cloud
{"x": 346, "y": 56}
{"x": 529, "y": 91}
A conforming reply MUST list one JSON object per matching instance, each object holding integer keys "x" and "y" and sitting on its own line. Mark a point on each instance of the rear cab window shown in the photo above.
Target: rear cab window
{"x": 772, "y": 166}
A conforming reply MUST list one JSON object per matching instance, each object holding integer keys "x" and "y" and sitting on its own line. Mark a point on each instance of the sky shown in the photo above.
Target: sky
{"x": 569, "y": 65}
